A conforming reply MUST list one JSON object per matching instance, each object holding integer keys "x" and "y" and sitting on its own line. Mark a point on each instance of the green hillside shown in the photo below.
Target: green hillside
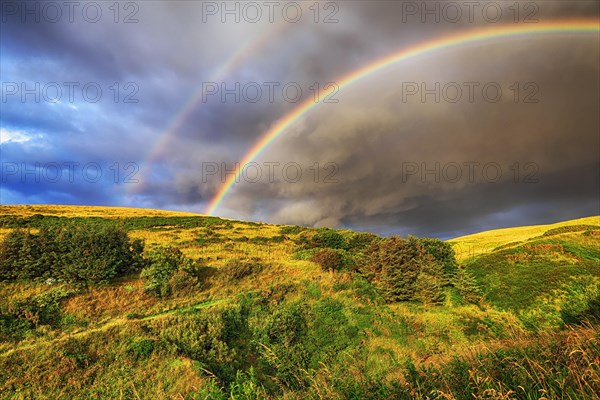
{"x": 513, "y": 278}
{"x": 485, "y": 242}
{"x": 121, "y": 303}
{"x": 541, "y": 275}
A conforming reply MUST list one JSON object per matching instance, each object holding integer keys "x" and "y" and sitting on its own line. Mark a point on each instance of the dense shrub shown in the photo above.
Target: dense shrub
{"x": 76, "y": 253}
{"x": 328, "y": 238}
{"x": 141, "y": 348}
{"x": 18, "y": 316}
{"x": 428, "y": 286}
{"x": 266, "y": 239}
{"x": 304, "y": 254}
{"x": 287, "y": 326}
{"x": 330, "y": 331}
{"x": 403, "y": 270}
{"x": 333, "y": 259}
{"x": 163, "y": 264}
{"x": 41, "y": 309}
{"x": 363, "y": 289}
{"x": 467, "y": 287}
{"x": 297, "y": 339}
{"x": 291, "y": 229}
{"x": 576, "y": 302}
{"x": 218, "y": 339}
{"x": 359, "y": 241}
{"x": 13, "y": 328}
{"x": 443, "y": 253}
{"x": 282, "y": 345}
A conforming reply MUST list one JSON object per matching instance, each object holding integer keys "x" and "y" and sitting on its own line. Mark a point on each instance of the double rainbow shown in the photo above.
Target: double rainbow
{"x": 572, "y": 26}
{"x": 251, "y": 47}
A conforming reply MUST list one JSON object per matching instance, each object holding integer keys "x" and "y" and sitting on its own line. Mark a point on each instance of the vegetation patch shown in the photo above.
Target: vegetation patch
{"x": 168, "y": 270}
{"x": 254, "y": 311}
{"x": 237, "y": 269}
{"x": 570, "y": 228}
{"x": 407, "y": 269}
{"x": 75, "y": 253}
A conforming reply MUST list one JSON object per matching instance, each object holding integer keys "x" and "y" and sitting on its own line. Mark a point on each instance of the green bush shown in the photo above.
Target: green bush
{"x": 328, "y": 238}
{"x": 467, "y": 287}
{"x": 77, "y": 350}
{"x": 443, "y": 253}
{"x": 13, "y": 329}
{"x": 282, "y": 345}
{"x": 291, "y": 230}
{"x": 404, "y": 270}
{"x": 76, "y": 253}
{"x": 428, "y": 286}
{"x": 364, "y": 289}
{"x": 162, "y": 265}
{"x": 41, "y": 309}
{"x": 328, "y": 259}
{"x": 218, "y": 339}
{"x": 265, "y": 240}
{"x": 576, "y": 302}
{"x": 330, "y": 331}
{"x": 141, "y": 348}
{"x": 359, "y": 241}
{"x": 304, "y": 254}
{"x": 393, "y": 267}
{"x": 295, "y": 340}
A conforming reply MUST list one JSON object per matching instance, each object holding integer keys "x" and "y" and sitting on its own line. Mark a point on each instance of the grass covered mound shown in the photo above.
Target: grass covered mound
{"x": 542, "y": 275}
{"x": 107, "y": 303}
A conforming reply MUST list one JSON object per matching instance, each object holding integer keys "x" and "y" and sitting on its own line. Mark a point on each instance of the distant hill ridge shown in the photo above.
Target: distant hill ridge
{"x": 485, "y": 242}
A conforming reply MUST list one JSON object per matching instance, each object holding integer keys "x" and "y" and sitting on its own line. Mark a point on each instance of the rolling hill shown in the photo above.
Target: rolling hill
{"x": 217, "y": 308}
{"x": 484, "y": 242}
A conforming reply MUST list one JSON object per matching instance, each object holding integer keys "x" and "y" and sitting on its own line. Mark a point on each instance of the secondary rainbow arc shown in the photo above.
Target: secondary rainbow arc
{"x": 251, "y": 47}
{"x": 585, "y": 26}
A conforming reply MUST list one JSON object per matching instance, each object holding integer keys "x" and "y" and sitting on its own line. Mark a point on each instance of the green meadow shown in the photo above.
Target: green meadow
{"x": 100, "y": 302}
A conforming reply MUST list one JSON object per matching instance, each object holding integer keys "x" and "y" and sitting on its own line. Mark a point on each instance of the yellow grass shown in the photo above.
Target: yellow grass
{"x": 484, "y": 242}
{"x": 89, "y": 211}
{"x": 433, "y": 335}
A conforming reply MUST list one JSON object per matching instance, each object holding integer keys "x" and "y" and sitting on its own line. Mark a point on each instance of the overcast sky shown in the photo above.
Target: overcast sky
{"x": 152, "y": 104}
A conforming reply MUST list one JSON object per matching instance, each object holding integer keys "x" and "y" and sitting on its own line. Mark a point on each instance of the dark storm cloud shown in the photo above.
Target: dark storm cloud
{"x": 373, "y": 143}
{"x": 370, "y": 135}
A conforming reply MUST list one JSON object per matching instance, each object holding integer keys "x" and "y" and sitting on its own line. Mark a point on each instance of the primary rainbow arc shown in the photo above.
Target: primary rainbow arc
{"x": 458, "y": 40}
{"x": 233, "y": 62}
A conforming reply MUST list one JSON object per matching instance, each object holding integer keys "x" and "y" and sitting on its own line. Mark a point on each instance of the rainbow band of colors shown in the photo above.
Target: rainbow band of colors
{"x": 458, "y": 40}
{"x": 236, "y": 59}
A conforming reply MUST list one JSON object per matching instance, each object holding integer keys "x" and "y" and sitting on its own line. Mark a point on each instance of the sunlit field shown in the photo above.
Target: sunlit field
{"x": 254, "y": 314}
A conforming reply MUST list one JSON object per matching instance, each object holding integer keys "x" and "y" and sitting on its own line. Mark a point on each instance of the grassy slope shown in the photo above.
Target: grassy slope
{"x": 484, "y": 242}
{"x": 514, "y": 278}
{"x": 514, "y": 267}
{"x": 89, "y": 211}
{"x": 103, "y": 323}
